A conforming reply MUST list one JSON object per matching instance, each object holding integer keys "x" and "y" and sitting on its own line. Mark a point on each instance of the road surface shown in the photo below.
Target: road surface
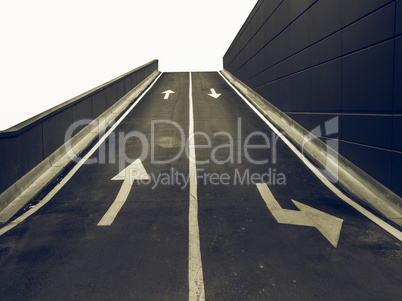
{"x": 193, "y": 197}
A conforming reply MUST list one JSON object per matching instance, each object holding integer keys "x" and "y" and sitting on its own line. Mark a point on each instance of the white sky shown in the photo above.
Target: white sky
{"x": 54, "y": 50}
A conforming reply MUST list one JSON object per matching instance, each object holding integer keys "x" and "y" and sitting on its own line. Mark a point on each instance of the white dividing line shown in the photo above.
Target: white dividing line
{"x": 195, "y": 274}
{"x": 59, "y": 186}
{"x": 391, "y": 230}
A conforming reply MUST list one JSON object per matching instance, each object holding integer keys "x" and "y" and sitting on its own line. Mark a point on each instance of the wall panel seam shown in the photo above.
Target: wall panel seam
{"x": 370, "y": 146}
{"x": 327, "y": 37}
{"x": 322, "y": 63}
{"x": 286, "y": 27}
{"x": 243, "y": 29}
{"x": 245, "y": 44}
{"x": 313, "y": 44}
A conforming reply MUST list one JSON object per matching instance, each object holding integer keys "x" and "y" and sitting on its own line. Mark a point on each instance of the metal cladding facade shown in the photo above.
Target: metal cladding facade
{"x": 320, "y": 59}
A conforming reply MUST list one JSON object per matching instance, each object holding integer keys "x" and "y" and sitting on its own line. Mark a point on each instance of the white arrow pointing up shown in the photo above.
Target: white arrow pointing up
{"x": 167, "y": 93}
{"x": 214, "y": 94}
{"x": 329, "y": 226}
{"x": 135, "y": 171}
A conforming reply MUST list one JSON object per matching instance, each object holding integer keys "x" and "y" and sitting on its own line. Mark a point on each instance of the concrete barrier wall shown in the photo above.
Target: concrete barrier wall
{"x": 319, "y": 59}
{"x": 25, "y": 145}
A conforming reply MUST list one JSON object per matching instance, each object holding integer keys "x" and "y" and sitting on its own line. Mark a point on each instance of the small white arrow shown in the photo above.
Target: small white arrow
{"x": 135, "y": 171}
{"x": 167, "y": 93}
{"x": 214, "y": 94}
{"x": 329, "y": 225}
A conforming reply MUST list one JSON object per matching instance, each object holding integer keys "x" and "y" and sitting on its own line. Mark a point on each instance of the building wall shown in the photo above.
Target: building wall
{"x": 319, "y": 59}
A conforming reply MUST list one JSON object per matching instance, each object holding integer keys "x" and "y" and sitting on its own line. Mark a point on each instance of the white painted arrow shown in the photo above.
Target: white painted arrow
{"x": 167, "y": 93}
{"x": 329, "y": 225}
{"x": 135, "y": 171}
{"x": 214, "y": 94}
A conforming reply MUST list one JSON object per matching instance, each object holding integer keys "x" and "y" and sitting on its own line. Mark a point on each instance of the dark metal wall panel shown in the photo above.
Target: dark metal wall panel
{"x": 370, "y": 130}
{"x": 319, "y": 120}
{"x": 397, "y": 133}
{"x": 396, "y": 176}
{"x": 326, "y": 49}
{"x": 302, "y": 119}
{"x": 367, "y": 79}
{"x": 260, "y": 33}
{"x": 272, "y": 92}
{"x": 300, "y": 32}
{"x": 325, "y": 58}
{"x": 298, "y": 8}
{"x": 326, "y": 87}
{"x": 366, "y": 31}
{"x": 297, "y": 96}
{"x": 398, "y": 27}
{"x": 372, "y": 160}
{"x": 326, "y": 18}
{"x": 398, "y": 76}
{"x": 259, "y": 16}
{"x": 356, "y": 9}
{"x": 296, "y": 63}
{"x": 276, "y": 23}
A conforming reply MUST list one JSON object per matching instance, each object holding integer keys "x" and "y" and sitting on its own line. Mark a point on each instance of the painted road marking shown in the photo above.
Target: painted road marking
{"x": 391, "y": 230}
{"x": 214, "y": 94}
{"x": 135, "y": 171}
{"x": 195, "y": 274}
{"x": 167, "y": 93}
{"x": 72, "y": 172}
{"x": 329, "y": 226}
